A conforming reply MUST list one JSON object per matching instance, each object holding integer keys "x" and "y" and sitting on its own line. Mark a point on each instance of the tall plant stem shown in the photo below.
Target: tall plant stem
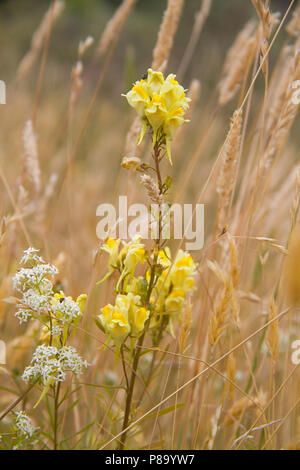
{"x": 152, "y": 364}
{"x": 56, "y": 406}
{"x": 139, "y": 345}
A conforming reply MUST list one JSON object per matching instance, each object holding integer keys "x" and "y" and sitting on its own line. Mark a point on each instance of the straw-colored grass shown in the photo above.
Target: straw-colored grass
{"x": 225, "y": 378}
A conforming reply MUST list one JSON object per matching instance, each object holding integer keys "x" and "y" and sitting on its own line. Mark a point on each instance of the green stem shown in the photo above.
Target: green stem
{"x": 135, "y": 364}
{"x": 138, "y": 348}
{"x": 56, "y": 406}
{"x": 17, "y": 401}
{"x": 152, "y": 364}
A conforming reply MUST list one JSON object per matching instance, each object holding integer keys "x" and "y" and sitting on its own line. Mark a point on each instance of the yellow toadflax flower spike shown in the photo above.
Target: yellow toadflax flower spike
{"x": 160, "y": 103}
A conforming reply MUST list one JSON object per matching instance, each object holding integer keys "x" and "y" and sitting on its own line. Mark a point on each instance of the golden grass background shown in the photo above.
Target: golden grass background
{"x": 247, "y": 176}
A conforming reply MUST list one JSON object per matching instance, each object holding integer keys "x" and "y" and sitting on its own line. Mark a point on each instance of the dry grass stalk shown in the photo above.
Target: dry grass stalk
{"x": 285, "y": 119}
{"x": 152, "y": 189}
{"x": 292, "y": 268}
{"x": 50, "y": 17}
{"x": 131, "y": 149}
{"x": 194, "y": 95}
{"x": 76, "y": 78}
{"x": 218, "y": 321}
{"x": 185, "y": 328}
{"x": 114, "y": 26}
{"x": 277, "y": 92}
{"x": 84, "y": 46}
{"x": 219, "y": 316}
{"x": 214, "y": 422}
{"x": 166, "y": 34}
{"x": 296, "y": 202}
{"x": 19, "y": 346}
{"x": 230, "y": 374}
{"x": 234, "y": 263}
{"x": 22, "y": 199}
{"x": 200, "y": 19}
{"x": 5, "y": 288}
{"x": 228, "y": 304}
{"x": 244, "y": 405}
{"x": 3, "y": 230}
{"x": 46, "y": 197}
{"x": 234, "y": 273}
{"x": 296, "y": 443}
{"x": 228, "y": 170}
{"x": 264, "y": 13}
{"x": 238, "y": 60}
{"x": 32, "y": 166}
{"x": 77, "y": 70}
{"x": 293, "y": 27}
{"x": 281, "y": 202}
{"x": 272, "y": 332}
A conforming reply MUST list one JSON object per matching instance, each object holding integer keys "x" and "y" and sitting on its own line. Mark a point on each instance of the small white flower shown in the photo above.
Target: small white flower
{"x": 45, "y": 366}
{"x": 50, "y": 364}
{"x": 71, "y": 360}
{"x": 56, "y": 330}
{"x": 37, "y": 302}
{"x": 67, "y": 310}
{"x": 23, "y": 315}
{"x": 33, "y": 278}
{"x": 30, "y": 256}
{"x": 23, "y": 425}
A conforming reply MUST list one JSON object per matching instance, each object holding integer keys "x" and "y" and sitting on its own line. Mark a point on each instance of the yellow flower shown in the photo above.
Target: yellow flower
{"x": 161, "y": 104}
{"x": 183, "y": 271}
{"x": 111, "y": 246}
{"x": 172, "y": 286}
{"x": 133, "y": 253}
{"x": 115, "y": 323}
{"x": 175, "y": 302}
{"x": 156, "y": 114}
{"x": 164, "y": 257}
{"x": 174, "y": 94}
{"x": 139, "y": 318}
{"x": 126, "y": 317}
{"x": 81, "y": 302}
{"x": 125, "y": 260}
{"x": 179, "y": 274}
{"x": 138, "y": 97}
{"x": 154, "y": 82}
{"x": 136, "y": 314}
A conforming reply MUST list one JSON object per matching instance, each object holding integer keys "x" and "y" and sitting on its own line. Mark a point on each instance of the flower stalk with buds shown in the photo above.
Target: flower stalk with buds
{"x": 149, "y": 304}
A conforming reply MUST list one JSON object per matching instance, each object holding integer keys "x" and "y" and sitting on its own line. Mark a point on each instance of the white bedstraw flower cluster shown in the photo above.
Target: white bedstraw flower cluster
{"x": 67, "y": 310}
{"x": 58, "y": 314}
{"x": 31, "y": 256}
{"x": 34, "y": 284}
{"x": 34, "y": 277}
{"x": 49, "y": 364}
{"x": 23, "y": 425}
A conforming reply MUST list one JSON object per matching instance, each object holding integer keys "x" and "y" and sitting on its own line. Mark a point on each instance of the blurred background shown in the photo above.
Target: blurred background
{"x": 80, "y": 149}
{"x": 96, "y": 174}
{"x": 82, "y": 17}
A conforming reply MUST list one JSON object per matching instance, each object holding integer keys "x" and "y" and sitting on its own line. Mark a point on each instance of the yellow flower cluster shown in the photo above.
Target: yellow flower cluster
{"x": 126, "y": 259}
{"x": 133, "y": 304}
{"x": 126, "y": 317}
{"x": 161, "y": 104}
{"x": 173, "y": 285}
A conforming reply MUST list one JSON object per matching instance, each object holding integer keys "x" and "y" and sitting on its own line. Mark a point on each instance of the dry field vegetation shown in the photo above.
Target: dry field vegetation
{"x": 216, "y": 374}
